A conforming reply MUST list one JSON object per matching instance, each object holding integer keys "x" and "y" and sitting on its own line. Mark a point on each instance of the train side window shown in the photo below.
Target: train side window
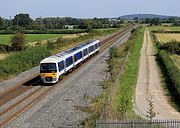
{"x": 92, "y": 48}
{"x": 78, "y": 56}
{"x": 85, "y": 52}
{"x": 61, "y": 65}
{"x": 96, "y": 46}
{"x": 75, "y": 58}
{"x": 69, "y": 61}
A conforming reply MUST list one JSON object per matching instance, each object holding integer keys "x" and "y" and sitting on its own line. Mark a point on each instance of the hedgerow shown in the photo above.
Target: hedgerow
{"x": 172, "y": 74}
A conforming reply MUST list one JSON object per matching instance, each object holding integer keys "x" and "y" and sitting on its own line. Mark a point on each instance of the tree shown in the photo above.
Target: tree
{"x": 22, "y": 20}
{"x": 1, "y": 23}
{"x": 150, "y": 112}
{"x": 17, "y": 42}
{"x": 155, "y": 21}
{"x": 147, "y": 20}
{"x": 172, "y": 20}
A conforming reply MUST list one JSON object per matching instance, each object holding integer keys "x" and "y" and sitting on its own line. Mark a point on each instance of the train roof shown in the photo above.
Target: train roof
{"x": 62, "y": 55}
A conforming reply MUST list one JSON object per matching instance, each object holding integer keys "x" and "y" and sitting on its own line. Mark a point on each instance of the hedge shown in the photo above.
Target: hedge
{"x": 173, "y": 72}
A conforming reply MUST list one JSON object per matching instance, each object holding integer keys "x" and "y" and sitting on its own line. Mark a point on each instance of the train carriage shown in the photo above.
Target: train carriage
{"x": 53, "y": 67}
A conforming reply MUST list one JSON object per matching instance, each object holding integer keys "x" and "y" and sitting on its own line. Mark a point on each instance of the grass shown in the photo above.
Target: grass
{"x": 176, "y": 59}
{"x": 6, "y": 39}
{"x": 167, "y": 37}
{"x": 23, "y": 60}
{"x": 122, "y": 103}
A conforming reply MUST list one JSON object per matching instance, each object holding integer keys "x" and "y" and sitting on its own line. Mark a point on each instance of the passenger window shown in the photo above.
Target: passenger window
{"x": 69, "y": 61}
{"x": 75, "y": 58}
{"x": 96, "y": 46}
{"x": 85, "y": 52}
{"x": 93, "y": 48}
{"x": 78, "y": 56}
{"x": 89, "y": 49}
{"x": 61, "y": 65}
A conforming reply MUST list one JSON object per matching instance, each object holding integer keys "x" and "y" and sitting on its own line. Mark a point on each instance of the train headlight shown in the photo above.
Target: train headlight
{"x": 54, "y": 79}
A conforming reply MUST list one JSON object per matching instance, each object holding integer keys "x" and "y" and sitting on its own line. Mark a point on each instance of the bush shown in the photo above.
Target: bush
{"x": 59, "y": 42}
{"x": 4, "y": 48}
{"x": 172, "y": 47}
{"x": 18, "y": 42}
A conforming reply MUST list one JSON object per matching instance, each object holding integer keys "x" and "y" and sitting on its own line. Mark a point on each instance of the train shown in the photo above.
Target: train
{"x": 53, "y": 68}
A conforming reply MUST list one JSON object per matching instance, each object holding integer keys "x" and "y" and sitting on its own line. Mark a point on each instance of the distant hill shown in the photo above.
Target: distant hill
{"x": 143, "y": 16}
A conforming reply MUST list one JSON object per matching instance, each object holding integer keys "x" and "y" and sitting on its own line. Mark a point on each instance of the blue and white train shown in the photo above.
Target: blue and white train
{"x": 54, "y": 67}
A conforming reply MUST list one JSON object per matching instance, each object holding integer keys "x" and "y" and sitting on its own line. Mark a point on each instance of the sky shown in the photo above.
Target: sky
{"x": 87, "y": 8}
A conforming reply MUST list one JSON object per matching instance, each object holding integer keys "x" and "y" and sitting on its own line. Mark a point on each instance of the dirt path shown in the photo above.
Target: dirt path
{"x": 149, "y": 85}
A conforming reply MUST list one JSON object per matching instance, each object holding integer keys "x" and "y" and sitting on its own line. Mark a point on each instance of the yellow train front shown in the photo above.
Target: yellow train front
{"x": 48, "y": 72}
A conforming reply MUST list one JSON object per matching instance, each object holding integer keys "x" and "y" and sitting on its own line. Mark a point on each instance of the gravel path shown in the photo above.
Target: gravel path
{"x": 149, "y": 85}
{"x": 59, "y": 108}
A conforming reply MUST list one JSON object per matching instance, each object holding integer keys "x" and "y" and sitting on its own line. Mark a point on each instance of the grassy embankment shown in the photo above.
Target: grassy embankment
{"x": 120, "y": 106}
{"x": 168, "y": 47}
{"x": 20, "y": 61}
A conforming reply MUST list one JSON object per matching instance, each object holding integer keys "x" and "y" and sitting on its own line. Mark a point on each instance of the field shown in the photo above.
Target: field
{"x": 164, "y": 28}
{"x": 29, "y": 38}
{"x": 176, "y": 60}
{"x": 6, "y": 39}
{"x": 167, "y": 37}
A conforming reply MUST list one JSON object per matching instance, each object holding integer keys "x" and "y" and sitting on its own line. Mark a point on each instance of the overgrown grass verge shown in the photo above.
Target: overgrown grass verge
{"x": 120, "y": 104}
{"x": 20, "y": 61}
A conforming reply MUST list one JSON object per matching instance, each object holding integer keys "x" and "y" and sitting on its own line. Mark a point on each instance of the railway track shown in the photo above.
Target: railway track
{"x": 9, "y": 113}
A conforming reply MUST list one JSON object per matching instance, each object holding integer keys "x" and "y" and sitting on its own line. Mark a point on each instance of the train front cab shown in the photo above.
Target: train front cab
{"x": 49, "y": 72}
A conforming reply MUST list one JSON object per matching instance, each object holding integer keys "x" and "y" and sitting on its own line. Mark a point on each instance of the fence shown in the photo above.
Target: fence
{"x": 138, "y": 124}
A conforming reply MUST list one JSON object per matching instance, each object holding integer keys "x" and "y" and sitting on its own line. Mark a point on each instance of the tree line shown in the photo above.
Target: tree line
{"x": 158, "y": 21}
{"x": 24, "y": 21}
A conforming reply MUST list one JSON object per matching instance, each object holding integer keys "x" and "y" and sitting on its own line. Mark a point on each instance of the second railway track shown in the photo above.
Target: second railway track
{"x": 9, "y": 113}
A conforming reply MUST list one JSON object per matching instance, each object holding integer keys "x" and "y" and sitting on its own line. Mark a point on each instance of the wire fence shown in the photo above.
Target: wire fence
{"x": 138, "y": 124}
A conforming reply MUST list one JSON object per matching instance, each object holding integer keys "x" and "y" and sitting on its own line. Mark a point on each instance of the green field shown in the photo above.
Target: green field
{"x": 176, "y": 60}
{"x": 6, "y": 39}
